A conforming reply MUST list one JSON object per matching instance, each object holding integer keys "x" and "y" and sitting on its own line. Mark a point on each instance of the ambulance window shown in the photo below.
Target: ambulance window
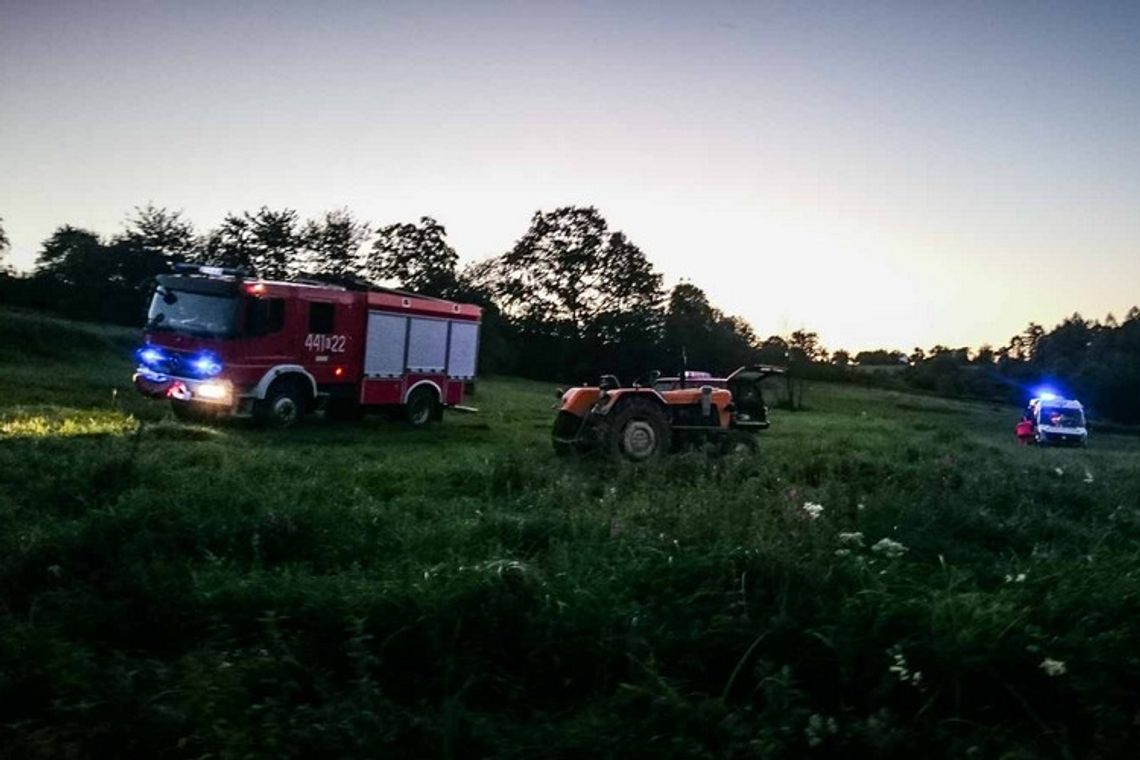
{"x": 320, "y": 317}
{"x": 265, "y": 316}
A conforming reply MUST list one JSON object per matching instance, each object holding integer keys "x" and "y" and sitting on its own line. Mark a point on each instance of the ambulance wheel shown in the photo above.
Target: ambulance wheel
{"x": 421, "y": 407}
{"x": 282, "y": 406}
{"x": 638, "y": 432}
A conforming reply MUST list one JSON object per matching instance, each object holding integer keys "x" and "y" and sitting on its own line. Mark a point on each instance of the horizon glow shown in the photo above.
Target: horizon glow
{"x": 889, "y": 176}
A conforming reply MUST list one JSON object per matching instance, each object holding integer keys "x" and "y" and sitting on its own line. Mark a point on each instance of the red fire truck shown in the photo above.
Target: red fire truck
{"x": 220, "y": 344}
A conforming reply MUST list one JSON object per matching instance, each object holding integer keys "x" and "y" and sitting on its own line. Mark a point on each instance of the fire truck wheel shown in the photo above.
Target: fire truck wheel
{"x": 420, "y": 408}
{"x": 282, "y": 406}
{"x": 638, "y": 431}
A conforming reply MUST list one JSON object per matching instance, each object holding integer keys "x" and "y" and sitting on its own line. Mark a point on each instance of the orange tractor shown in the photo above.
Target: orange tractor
{"x": 659, "y": 414}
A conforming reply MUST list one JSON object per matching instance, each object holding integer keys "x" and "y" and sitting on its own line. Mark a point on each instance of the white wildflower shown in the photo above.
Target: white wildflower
{"x": 851, "y": 539}
{"x": 1052, "y": 667}
{"x": 890, "y": 548}
{"x": 1059, "y": 471}
{"x": 842, "y": 552}
{"x": 901, "y": 669}
{"x": 817, "y": 729}
{"x": 813, "y": 510}
{"x": 1088, "y": 476}
{"x": 1020, "y": 578}
{"x": 860, "y": 506}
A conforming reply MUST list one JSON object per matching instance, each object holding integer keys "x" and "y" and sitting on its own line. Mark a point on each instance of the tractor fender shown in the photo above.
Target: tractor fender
{"x": 283, "y": 370}
{"x": 579, "y": 401}
{"x": 614, "y": 399}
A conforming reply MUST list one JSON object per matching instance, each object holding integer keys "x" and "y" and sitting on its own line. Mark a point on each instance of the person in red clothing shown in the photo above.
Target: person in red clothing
{"x": 1024, "y": 431}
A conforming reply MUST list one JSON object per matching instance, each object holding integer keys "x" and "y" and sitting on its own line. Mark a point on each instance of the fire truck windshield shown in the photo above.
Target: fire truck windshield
{"x": 194, "y": 313}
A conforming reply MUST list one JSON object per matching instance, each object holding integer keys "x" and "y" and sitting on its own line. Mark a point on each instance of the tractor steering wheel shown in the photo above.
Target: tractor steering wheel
{"x": 647, "y": 380}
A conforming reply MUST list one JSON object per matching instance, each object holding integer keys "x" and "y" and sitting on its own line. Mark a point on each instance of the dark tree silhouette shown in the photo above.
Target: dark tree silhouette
{"x": 266, "y": 243}
{"x": 689, "y": 324}
{"x": 580, "y": 297}
{"x": 569, "y": 269}
{"x": 705, "y": 337}
{"x": 160, "y": 235}
{"x": 418, "y": 257}
{"x": 882, "y": 357}
{"x": 73, "y": 256}
{"x": 231, "y": 244}
{"x": 79, "y": 275}
{"x": 332, "y": 244}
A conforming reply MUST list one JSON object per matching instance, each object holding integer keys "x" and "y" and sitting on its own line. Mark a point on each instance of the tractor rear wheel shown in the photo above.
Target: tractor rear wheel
{"x": 638, "y": 431}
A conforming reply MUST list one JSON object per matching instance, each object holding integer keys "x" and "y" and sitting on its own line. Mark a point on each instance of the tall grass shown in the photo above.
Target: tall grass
{"x": 362, "y": 590}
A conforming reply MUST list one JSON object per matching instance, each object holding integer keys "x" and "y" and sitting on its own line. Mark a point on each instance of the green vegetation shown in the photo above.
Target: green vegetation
{"x": 890, "y": 575}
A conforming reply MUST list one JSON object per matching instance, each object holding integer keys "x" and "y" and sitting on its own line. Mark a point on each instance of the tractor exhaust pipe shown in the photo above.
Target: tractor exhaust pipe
{"x": 706, "y": 400}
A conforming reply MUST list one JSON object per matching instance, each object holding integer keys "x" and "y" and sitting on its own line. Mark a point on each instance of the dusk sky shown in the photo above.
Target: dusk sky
{"x": 887, "y": 174}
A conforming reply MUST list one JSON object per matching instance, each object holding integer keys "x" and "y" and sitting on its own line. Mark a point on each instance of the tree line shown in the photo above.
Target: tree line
{"x": 569, "y": 300}
{"x": 1097, "y": 361}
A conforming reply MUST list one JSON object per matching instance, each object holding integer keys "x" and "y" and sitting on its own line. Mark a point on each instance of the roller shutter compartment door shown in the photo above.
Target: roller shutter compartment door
{"x": 464, "y": 350}
{"x": 384, "y": 350}
{"x": 427, "y": 345}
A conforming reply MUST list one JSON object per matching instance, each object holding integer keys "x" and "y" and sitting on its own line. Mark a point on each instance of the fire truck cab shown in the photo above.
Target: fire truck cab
{"x": 220, "y": 344}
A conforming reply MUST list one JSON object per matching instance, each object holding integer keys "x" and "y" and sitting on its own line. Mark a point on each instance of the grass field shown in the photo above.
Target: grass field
{"x": 890, "y": 575}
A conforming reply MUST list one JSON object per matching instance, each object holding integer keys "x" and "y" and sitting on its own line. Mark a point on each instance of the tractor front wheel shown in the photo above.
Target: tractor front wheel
{"x": 638, "y": 431}
{"x": 566, "y": 434}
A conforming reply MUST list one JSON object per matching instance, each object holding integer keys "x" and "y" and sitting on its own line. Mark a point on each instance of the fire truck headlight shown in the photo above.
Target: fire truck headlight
{"x": 213, "y": 391}
{"x": 207, "y": 365}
